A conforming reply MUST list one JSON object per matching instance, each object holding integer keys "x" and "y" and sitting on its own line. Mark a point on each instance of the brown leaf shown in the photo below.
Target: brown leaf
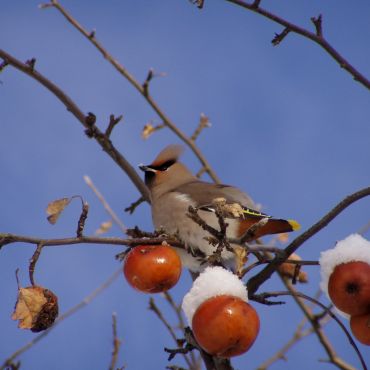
{"x": 288, "y": 269}
{"x": 240, "y": 259}
{"x": 147, "y": 131}
{"x": 55, "y": 208}
{"x": 104, "y": 227}
{"x": 29, "y": 303}
{"x": 36, "y": 308}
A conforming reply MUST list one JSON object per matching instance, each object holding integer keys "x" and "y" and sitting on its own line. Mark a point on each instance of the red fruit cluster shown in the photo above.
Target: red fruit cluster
{"x": 349, "y": 290}
{"x": 152, "y": 268}
{"x": 225, "y": 326}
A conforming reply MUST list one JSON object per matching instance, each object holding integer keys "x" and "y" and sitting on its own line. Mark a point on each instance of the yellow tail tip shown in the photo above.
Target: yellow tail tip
{"x": 294, "y": 224}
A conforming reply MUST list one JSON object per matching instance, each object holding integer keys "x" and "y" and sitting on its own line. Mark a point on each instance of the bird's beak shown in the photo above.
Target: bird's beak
{"x": 146, "y": 168}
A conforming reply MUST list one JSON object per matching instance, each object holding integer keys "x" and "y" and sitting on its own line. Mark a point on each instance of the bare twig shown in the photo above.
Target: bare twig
{"x": 105, "y": 204}
{"x": 316, "y": 37}
{"x": 61, "y": 318}
{"x": 153, "y": 307}
{"x": 71, "y": 106}
{"x": 256, "y": 281}
{"x": 82, "y": 219}
{"x": 201, "y": 172}
{"x": 131, "y": 209}
{"x": 33, "y": 261}
{"x": 203, "y": 123}
{"x": 139, "y": 87}
{"x": 317, "y": 21}
{"x": 279, "y": 37}
{"x": 112, "y": 123}
{"x": 181, "y": 325}
{"x": 12, "y": 238}
{"x": 333, "y": 358}
{"x": 116, "y": 343}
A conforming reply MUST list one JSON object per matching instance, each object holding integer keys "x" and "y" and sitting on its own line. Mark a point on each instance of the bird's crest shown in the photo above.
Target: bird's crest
{"x": 170, "y": 153}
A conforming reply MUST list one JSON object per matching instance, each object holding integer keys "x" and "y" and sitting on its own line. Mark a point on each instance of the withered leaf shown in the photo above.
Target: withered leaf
{"x": 241, "y": 258}
{"x": 36, "y": 308}
{"x": 288, "y": 269}
{"x": 104, "y": 227}
{"x": 55, "y": 208}
{"x": 147, "y": 131}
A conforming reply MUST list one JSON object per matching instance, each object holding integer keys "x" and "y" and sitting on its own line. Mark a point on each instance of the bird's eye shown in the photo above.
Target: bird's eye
{"x": 165, "y": 166}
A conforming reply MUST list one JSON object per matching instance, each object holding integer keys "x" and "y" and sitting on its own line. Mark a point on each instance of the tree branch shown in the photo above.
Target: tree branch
{"x": 94, "y": 131}
{"x": 256, "y": 281}
{"x": 6, "y": 238}
{"x": 333, "y": 358}
{"x": 141, "y": 88}
{"x": 315, "y": 37}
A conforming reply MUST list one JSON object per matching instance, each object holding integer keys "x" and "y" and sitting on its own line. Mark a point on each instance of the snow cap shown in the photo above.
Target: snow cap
{"x": 213, "y": 281}
{"x": 352, "y": 248}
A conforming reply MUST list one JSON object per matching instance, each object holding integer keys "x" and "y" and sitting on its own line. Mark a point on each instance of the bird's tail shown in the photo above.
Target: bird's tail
{"x": 272, "y": 226}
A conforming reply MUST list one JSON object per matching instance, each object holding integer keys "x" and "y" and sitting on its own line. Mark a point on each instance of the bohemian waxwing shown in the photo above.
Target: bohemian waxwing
{"x": 173, "y": 188}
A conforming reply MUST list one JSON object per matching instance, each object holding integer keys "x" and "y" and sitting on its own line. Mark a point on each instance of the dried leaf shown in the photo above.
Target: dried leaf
{"x": 288, "y": 269}
{"x": 36, "y": 308}
{"x": 55, "y": 208}
{"x": 229, "y": 210}
{"x": 104, "y": 227}
{"x": 240, "y": 259}
{"x": 147, "y": 131}
{"x": 29, "y": 304}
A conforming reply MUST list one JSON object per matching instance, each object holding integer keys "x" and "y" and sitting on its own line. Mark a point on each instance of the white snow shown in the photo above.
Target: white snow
{"x": 352, "y": 248}
{"x": 212, "y": 282}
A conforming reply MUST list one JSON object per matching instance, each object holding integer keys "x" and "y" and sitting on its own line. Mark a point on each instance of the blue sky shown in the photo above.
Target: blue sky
{"x": 288, "y": 126}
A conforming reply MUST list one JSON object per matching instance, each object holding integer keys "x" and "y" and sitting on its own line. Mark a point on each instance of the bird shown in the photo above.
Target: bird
{"x": 173, "y": 188}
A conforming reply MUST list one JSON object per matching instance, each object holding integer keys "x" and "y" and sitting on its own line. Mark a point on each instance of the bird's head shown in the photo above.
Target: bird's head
{"x": 165, "y": 173}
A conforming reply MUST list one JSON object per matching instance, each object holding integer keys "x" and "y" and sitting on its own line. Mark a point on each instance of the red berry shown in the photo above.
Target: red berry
{"x": 225, "y": 326}
{"x": 152, "y": 268}
{"x": 349, "y": 287}
{"x": 360, "y": 326}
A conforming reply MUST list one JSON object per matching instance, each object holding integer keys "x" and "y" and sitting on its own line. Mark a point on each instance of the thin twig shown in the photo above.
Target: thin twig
{"x": 105, "y": 204}
{"x": 256, "y": 281}
{"x": 139, "y": 87}
{"x": 131, "y": 208}
{"x": 112, "y": 123}
{"x": 116, "y": 343}
{"x": 315, "y": 37}
{"x": 61, "y": 318}
{"x": 203, "y": 123}
{"x": 333, "y": 358}
{"x": 181, "y": 325}
{"x": 33, "y": 261}
{"x": 82, "y": 219}
{"x": 153, "y": 307}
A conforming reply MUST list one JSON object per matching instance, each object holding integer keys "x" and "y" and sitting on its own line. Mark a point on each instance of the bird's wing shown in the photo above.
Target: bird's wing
{"x": 203, "y": 195}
